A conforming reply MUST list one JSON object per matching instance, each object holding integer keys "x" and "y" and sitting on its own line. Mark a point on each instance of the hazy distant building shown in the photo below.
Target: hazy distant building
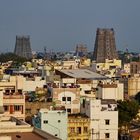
{"x": 81, "y": 50}
{"x": 23, "y": 47}
{"x": 105, "y": 47}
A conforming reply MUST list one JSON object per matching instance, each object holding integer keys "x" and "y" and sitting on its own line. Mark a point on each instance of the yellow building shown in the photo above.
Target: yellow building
{"x": 109, "y": 68}
{"x": 78, "y": 127}
{"x": 85, "y": 62}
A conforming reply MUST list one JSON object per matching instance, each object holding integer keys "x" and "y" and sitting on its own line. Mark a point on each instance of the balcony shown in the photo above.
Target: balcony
{"x": 13, "y": 96}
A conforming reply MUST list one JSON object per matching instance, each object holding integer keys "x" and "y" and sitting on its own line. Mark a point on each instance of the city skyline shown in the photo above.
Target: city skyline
{"x": 60, "y": 25}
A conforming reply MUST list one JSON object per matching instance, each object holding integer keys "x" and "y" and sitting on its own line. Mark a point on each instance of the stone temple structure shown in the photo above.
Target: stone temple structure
{"x": 105, "y": 47}
{"x": 23, "y": 47}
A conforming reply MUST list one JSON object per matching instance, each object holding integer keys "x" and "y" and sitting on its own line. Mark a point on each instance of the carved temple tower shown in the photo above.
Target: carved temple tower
{"x": 23, "y": 47}
{"x": 105, "y": 47}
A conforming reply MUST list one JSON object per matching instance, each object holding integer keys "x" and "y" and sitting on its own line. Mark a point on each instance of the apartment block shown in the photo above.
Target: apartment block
{"x": 53, "y": 122}
{"x": 104, "y": 118}
{"x": 14, "y": 104}
{"x": 110, "y": 90}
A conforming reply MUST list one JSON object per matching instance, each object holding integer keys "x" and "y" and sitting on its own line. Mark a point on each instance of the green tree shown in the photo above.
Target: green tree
{"x": 127, "y": 111}
{"x": 4, "y": 57}
{"x": 137, "y": 97}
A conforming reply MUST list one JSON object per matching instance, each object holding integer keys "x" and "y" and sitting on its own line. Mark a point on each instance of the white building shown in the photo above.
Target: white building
{"x": 53, "y": 122}
{"x": 85, "y": 79}
{"x": 22, "y": 83}
{"x": 104, "y": 118}
{"x": 110, "y": 90}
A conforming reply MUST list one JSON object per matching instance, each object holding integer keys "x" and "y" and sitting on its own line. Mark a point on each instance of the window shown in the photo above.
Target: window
{"x": 12, "y": 91}
{"x": 20, "y": 91}
{"x": 79, "y": 130}
{"x": 107, "y": 122}
{"x": 68, "y": 98}
{"x": 69, "y": 110}
{"x": 59, "y": 121}
{"x": 106, "y": 135}
{"x": 63, "y": 98}
{"x": 17, "y": 107}
{"x": 85, "y": 129}
{"x": 87, "y": 91}
{"x": 6, "y": 108}
{"x": 7, "y": 91}
{"x": 45, "y": 121}
{"x": 72, "y": 129}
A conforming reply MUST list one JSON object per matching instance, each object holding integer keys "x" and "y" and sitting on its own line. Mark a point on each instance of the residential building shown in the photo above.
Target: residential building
{"x": 53, "y": 122}
{"x": 78, "y": 127}
{"x": 110, "y": 90}
{"x": 13, "y": 129}
{"x": 25, "y": 84}
{"x": 32, "y": 108}
{"x": 135, "y": 68}
{"x": 67, "y": 97}
{"x": 84, "y": 79}
{"x": 79, "y": 74}
{"x": 70, "y": 64}
{"x": 14, "y": 104}
{"x": 108, "y": 68}
{"x": 104, "y": 118}
{"x": 133, "y": 85}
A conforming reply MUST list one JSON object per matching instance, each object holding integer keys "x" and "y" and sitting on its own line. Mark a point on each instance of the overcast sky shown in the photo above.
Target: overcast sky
{"x": 61, "y": 24}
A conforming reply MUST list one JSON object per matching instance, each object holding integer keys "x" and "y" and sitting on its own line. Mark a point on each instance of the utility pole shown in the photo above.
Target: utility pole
{"x": 92, "y": 132}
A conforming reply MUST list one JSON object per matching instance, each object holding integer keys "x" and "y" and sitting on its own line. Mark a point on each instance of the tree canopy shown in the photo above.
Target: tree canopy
{"x": 137, "y": 97}
{"x": 4, "y": 57}
{"x": 127, "y": 111}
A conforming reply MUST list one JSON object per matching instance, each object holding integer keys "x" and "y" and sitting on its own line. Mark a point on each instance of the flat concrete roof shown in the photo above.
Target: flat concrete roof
{"x": 83, "y": 73}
